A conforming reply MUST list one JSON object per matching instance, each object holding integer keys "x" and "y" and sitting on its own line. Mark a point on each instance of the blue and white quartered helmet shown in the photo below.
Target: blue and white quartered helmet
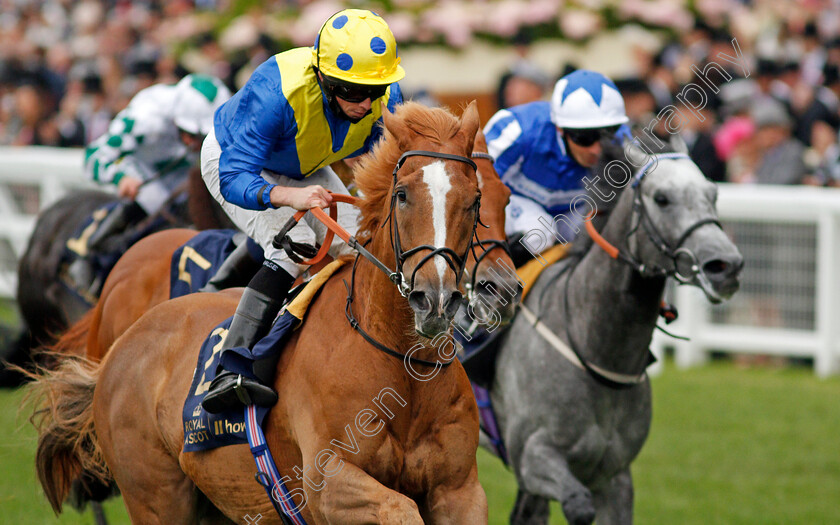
{"x": 586, "y": 99}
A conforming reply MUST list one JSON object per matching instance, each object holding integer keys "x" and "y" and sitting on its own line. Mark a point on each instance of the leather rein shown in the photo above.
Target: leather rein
{"x": 404, "y": 286}
{"x": 606, "y": 377}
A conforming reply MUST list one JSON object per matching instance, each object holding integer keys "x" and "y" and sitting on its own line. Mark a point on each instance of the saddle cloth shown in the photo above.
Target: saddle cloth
{"x": 204, "y": 431}
{"x": 196, "y": 262}
{"x": 102, "y": 262}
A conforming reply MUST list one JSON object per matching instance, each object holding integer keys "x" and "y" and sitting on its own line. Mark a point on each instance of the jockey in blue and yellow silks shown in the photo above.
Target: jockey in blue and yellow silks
{"x": 269, "y": 156}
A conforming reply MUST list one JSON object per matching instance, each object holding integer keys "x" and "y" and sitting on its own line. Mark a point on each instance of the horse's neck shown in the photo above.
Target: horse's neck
{"x": 613, "y": 309}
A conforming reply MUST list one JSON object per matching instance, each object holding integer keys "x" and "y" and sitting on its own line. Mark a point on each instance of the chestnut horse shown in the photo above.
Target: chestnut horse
{"x": 414, "y": 463}
{"x": 140, "y": 279}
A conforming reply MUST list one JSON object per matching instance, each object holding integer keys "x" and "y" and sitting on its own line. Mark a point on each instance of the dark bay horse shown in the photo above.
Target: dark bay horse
{"x": 419, "y": 462}
{"x": 570, "y": 391}
{"x": 48, "y": 306}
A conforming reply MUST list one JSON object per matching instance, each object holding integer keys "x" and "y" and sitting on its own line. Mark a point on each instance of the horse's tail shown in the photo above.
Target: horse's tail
{"x": 73, "y": 342}
{"x": 63, "y": 415}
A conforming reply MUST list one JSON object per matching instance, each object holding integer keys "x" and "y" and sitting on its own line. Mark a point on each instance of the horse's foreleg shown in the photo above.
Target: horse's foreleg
{"x": 353, "y": 496}
{"x": 614, "y": 503}
{"x": 529, "y": 510}
{"x": 464, "y": 504}
{"x": 544, "y": 471}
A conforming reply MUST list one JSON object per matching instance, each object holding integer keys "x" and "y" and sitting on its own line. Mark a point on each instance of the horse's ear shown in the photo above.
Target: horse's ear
{"x": 634, "y": 154}
{"x": 470, "y": 125}
{"x": 394, "y": 124}
{"x": 678, "y": 144}
{"x": 480, "y": 142}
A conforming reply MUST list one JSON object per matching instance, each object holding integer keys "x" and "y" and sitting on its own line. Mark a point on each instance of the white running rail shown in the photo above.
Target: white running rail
{"x": 788, "y": 305}
{"x": 31, "y": 178}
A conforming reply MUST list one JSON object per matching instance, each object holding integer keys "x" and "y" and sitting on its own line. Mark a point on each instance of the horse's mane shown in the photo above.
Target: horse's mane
{"x": 373, "y": 173}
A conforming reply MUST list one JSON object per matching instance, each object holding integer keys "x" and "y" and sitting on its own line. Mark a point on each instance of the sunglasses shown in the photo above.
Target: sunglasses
{"x": 589, "y": 136}
{"x": 354, "y": 93}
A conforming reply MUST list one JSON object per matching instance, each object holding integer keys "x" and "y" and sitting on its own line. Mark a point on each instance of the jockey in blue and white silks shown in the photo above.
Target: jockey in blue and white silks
{"x": 543, "y": 150}
{"x": 269, "y": 157}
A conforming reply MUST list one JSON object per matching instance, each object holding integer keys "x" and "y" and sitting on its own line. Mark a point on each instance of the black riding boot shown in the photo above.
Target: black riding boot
{"x": 519, "y": 254}
{"x": 237, "y": 269}
{"x": 125, "y": 214}
{"x": 257, "y": 309}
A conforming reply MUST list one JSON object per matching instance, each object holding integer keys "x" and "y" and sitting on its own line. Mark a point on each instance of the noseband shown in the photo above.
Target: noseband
{"x": 486, "y": 245}
{"x": 672, "y": 252}
{"x": 453, "y": 259}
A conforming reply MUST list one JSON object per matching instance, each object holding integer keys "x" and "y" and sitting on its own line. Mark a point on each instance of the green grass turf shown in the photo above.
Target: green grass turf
{"x": 728, "y": 446}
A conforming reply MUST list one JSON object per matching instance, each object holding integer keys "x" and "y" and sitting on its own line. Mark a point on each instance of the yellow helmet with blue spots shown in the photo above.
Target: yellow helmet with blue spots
{"x": 357, "y": 46}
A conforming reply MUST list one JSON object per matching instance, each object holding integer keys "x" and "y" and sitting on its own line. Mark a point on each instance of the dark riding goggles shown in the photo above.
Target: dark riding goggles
{"x": 354, "y": 93}
{"x": 588, "y": 136}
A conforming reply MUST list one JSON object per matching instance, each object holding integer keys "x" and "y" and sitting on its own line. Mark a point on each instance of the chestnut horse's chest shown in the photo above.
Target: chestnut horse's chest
{"x": 442, "y": 448}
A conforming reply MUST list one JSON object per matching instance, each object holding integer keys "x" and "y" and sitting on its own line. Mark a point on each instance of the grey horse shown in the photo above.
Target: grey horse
{"x": 570, "y": 392}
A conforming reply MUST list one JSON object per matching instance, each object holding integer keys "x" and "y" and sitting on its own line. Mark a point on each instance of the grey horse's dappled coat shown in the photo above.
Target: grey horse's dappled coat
{"x": 570, "y": 437}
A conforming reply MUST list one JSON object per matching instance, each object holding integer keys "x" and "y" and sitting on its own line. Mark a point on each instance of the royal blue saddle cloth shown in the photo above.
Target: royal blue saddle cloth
{"x": 204, "y": 431}
{"x": 197, "y": 261}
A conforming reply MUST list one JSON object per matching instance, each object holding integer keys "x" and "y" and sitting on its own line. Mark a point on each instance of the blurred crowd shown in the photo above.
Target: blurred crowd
{"x": 765, "y": 111}
{"x": 68, "y": 66}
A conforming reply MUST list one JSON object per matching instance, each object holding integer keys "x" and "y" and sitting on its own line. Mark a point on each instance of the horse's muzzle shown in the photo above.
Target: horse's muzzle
{"x": 721, "y": 275}
{"x": 434, "y": 310}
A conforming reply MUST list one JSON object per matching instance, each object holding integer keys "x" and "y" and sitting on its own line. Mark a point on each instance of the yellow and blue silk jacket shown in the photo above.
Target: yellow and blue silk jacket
{"x": 280, "y": 121}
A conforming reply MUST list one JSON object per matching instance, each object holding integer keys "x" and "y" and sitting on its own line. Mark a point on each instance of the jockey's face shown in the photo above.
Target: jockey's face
{"x": 355, "y": 111}
{"x": 586, "y": 156}
{"x": 191, "y": 140}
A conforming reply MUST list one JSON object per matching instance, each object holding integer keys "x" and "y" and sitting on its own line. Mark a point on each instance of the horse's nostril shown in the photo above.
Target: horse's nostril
{"x": 419, "y": 302}
{"x": 715, "y": 266}
{"x": 453, "y": 304}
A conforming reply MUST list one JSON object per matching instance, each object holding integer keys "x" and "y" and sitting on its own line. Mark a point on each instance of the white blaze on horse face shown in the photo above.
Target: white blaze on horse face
{"x": 437, "y": 180}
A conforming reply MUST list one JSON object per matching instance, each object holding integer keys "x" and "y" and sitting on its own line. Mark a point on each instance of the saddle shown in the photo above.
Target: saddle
{"x": 204, "y": 431}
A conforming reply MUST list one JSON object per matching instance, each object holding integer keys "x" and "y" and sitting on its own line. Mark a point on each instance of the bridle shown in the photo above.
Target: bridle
{"x": 641, "y": 218}
{"x": 486, "y": 246}
{"x": 404, "y": 286}
{"x": 455, "y": 261}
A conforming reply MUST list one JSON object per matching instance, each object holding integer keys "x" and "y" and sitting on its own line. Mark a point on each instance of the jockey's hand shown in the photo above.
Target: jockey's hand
{"x": 129, "y": 186}
{"x": 300, "y": 198}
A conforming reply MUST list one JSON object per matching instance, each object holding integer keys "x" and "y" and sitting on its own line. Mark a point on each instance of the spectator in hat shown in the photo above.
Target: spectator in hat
{"x": 780, "y": 156}
{"x": 523, "y": 83}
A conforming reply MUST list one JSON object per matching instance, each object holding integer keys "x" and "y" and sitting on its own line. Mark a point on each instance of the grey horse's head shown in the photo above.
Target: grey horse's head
{"x": 675, "y": 226}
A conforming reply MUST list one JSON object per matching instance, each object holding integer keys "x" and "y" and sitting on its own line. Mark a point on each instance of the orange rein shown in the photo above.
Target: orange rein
{"x": 330, "y": 222}
{"x": 667, "y": 311}
{"x": 611, "y": 250}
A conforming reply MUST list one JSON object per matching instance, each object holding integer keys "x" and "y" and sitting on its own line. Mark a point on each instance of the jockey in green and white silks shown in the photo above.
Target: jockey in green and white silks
{"x": 143, "y": 152}
{"x": 147, "y": 152}
{"x": 268, "y": 156}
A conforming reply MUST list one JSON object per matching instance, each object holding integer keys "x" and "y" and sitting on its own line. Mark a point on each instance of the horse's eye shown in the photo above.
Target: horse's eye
{"x": 661, "y": 199}
{"x": 401, "y": 196}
